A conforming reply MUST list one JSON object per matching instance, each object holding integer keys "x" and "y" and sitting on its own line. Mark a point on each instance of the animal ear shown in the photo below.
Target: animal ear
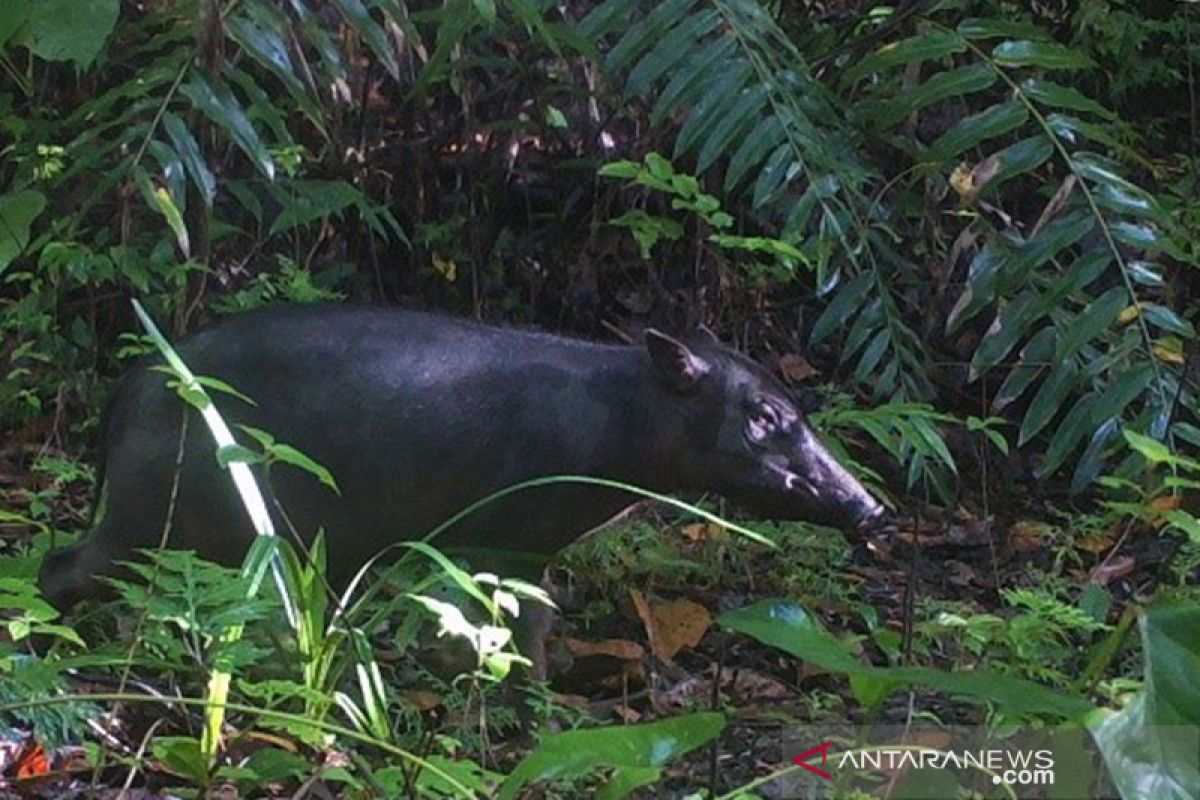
{"x": 674, "y": 363}
{"x": 705, "y": 332}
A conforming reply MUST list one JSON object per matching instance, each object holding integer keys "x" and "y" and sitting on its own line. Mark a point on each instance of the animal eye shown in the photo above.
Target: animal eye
{"x": 763, "y": 422}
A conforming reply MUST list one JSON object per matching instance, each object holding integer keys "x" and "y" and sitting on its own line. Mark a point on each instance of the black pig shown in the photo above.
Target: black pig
{"x": 418, "y": 415}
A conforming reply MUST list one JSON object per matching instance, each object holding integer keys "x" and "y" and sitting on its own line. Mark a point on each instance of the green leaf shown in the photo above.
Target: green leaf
{"x": 486, "y": 9}
{"x": 1150, "y": 746}
{"x": 994, "y": 121}
{"x": 703, "y": 67}
{"x": 954, "y": 83}
{"x": 218, "y": 104}
{"x": 1122, "y": 390}
{"x": 1048, "y": 400}
{"x": 718, "y": 99}
{"x": 975, "y": 28}
{"x": 263, "y": 38}
{"x": 648, "y": 31}
{"x": 1152, "y": 450}
{"x": 631, "y": 750}
{"x": 18, "y": 210}
{"x": 761, "y": 139}
{"x": 789, "y": 627}
{"x": 193, "y": 160}
{"x": 928, "y": 46}
{"x": 1166, "y": 319}
{"x": 730, "y": 125}
{"x": 1055, "y": 95}
{"x": 1047, "y": 55}
{"x": 1010, "y": 324}
{"x": 290, "y": 455}
{"x": 69, "y": 30}
{"x": 843, "y": 306}
{"x": 1096, "y": 318}
{"x": 1019, "y": 158}
{"x": 1076, "y": 424}
{"x": 670, "y": 51}
{"x": 160, "y": 200}
{"x": 359, "y": 18}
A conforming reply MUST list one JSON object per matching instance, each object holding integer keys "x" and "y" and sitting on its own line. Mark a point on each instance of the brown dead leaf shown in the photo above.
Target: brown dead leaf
{"x": 671, "y": 626}
{"x": 627, "y": 714}
{"x": 1167, "y": 502}
{"x": 703, "y": 531}
{"x": 615, "y": 648}
{"x": 1027, "y": 536}
{"x": 1095, "y": 542}
{"x": 795, "y": 367}
{"x": 1112, "y": 569}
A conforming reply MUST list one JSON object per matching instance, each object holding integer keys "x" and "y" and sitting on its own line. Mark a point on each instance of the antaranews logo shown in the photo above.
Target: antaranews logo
{"x": 802, "y": 759}
{"x": 1008, "y": 767}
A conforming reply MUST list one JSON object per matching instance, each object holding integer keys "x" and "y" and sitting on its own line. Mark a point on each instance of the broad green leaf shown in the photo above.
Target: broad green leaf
{"x": 994, "y": 121}
{"x": 1165, "y": 319}
{"x": 630, "y": 750}
{"x": 218, "y": 104}
{"x": 193, "y": 160}
{"x": 980, "y": 287}
{"x": 290, "y": 455}
{"x": 773, "y": 176}
{"x": 1122, "y": 390}
{"x": 703, "y": 67}
{"x": 359, "y": 18}
{"x": 1005, "y": 331}
{"x": 732, "y": 125}
{"x": 790, "y": 628}
{"x": 1019, "y": 158}
{"x": 1075, "y": 130}
{"x": 1076, "y": 424}
{"x": 926, "y": 47}
{"x": 1118, "y": 199}
{"x": 1055, "y": 95}
{"x": 1047, "y": 55}
{"x": 606, "y": 16}
{"x": 842, "y": 307}
{"x": 13, "y": 14}
{"x": 717, "y": 101}
{"x": 1091, "y": 462}
{"x": 761, "y": 139}
{"x": 1150, "y": 746}
{"x": 1150, "y": 449}
{"x": 647, "y": 32}
{"x": 18, "y": 210}
{"x": 1095, "y": 319}
{"x": 1048, "y": 400}
{"x": 486, "y": 9}
{"x": 1053, "y": 239}
{"x": 670, "y": 51}
{"x": 976, "y": 28}
{"x": 871, "y": 355}
{"x": 69, "y": 30}
{"x": 263, "y": 39}
{"x": 1137, "y": 235}
{"x": 954, "y": 83}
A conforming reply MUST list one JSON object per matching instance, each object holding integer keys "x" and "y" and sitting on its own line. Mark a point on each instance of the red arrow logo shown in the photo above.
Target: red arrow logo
{"x": 802, "y": 760}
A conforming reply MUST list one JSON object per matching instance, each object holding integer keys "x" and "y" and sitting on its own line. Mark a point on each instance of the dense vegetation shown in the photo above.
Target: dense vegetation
{"x": 965, "y": 231}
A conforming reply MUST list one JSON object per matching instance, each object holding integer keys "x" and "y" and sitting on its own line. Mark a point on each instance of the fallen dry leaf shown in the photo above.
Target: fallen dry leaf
{"x": 1027, "y": 536}
{"x": 616, "y": 648}
{"x": 703, "y": 531}
{"x": 671, "y": 626}
{"x": 795, "y": 367}
{"x": 1167, "y": 502}
{"x": 1095, "y": 542}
